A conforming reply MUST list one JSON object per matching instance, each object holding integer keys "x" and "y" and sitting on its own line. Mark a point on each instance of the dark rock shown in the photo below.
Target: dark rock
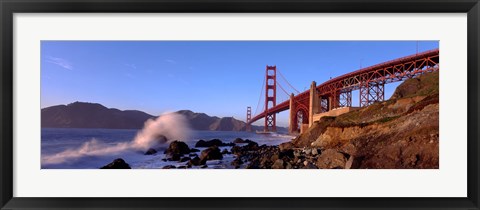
{"x": 204, "y": 166}
{"x": 185, "y": 159}
{"x": 169, "y": 167}
{"x": 264, "y": 157}
{"x": 238, "y": 141}
{"x": 225, "y": 151}
{"x": 212, "y": 153}
{"x": 194, "y": 150}
{"x": 203, "y": 143}
{"x": 192, "y": 155}
{"x": 309, "y": 166}
{"x": 174, "y": 157}
{"x": 237, "y": 162}
{"x": 150, "y": 151}
{"x": 249, "y": 141}
{"x": 251, "y": 146}
{"x": 288, "y": 166}
{"x": 236, "y": 150}
{"x": 253, "y": 165}
{"x": 164, "y": 159}
{"x": 196, "y": 161}
{"x": 177, "y": 147}
{"x": 182, "y": 167}
{"x": 117, "y": 164}
{"x": 213, "y": 142}
{"x": 286, "y": 153}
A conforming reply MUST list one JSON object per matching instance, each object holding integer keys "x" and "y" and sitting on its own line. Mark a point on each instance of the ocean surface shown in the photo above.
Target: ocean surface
{"x": 75, "y": 148}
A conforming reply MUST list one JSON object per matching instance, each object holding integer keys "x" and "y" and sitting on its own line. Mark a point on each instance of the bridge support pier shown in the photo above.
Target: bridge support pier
{"x": 292, "y": 125}
{"x": 314, "y": 103}
{"x": 371, "y": 92}
{"x": 324, "y": 104}
{"x": 345, "y": 99}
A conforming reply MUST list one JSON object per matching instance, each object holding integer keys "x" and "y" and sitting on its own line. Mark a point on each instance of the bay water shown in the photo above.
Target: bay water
{"x": 78, "y": 148}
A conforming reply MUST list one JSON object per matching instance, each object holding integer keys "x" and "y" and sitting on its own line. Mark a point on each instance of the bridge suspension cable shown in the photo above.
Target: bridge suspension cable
{"x": 279, "y": 85}
{"x": 261, "y": 94}
{"x": 288, "y": 82}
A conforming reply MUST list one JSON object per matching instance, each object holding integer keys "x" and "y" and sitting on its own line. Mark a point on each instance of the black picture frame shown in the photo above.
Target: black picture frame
{"x": 9, "y": 7}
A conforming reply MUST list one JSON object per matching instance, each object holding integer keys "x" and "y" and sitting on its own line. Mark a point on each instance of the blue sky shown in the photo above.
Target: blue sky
{"x": 219, "y": 78}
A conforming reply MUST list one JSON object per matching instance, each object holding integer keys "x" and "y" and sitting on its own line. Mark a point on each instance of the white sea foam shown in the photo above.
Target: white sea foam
{"x": 171, "y": 125}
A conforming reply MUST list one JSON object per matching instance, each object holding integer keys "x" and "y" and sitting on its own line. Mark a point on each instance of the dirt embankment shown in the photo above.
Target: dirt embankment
{"x": 402, "y": 132}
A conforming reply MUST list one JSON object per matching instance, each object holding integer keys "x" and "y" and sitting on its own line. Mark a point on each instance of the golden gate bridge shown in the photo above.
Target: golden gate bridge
{"x": 334, "y": 97}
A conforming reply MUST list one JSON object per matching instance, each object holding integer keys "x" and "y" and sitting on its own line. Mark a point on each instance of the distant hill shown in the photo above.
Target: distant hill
{"x": 198, "y": 121}
{"x": 201, "y": 121}
{"x": 93, "y": 115}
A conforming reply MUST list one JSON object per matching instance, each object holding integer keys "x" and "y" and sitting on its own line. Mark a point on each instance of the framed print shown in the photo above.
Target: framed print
{"x": 239, "y": 105}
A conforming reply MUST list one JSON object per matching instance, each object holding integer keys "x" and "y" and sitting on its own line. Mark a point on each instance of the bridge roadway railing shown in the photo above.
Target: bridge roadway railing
{"x": 386, "y": 72}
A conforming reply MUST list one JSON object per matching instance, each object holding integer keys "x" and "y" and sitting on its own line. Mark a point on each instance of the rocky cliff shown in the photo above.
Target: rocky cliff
{"x": 402, "y": 132}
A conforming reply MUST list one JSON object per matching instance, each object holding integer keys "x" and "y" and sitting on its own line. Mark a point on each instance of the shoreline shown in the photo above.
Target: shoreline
{"x": 239, "y": 154}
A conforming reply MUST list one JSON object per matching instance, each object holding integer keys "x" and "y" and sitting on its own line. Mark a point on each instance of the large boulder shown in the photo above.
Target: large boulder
{"x": 184, "y": 159}
{"x": 117, "y": 164}
{"x": 225, "y": 151}
{"x": 251, "y": 146}
{"x": 211, "y": 153}
{"x": 287, "y": 153}
{"x": 174, "y": 157}
{"x": 169, "y": 167}
{"x": 238, "y": 141}
{"x": 237, "y": 163}
{"x": 331, "y": 159}
{"x": 177, "y": 148}
{"x": 213, "y": 142}
{"x": 278, "y": 164}
{"x": 196, "y": 161}
{"x": 286, "y": 146}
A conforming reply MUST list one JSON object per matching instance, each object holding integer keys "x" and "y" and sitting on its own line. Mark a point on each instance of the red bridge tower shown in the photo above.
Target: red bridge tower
{"x": 270, "y": 96}
{"x": 248, "y": 126}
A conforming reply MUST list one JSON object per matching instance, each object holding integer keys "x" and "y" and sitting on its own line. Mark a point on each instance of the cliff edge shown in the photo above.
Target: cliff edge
{"x": 402, "y": 132}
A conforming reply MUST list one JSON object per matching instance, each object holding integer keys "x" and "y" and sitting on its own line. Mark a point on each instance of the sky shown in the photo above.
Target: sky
{"x": 219, "y": 78}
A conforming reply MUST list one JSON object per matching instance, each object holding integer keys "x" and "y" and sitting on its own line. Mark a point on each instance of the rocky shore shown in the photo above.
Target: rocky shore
{"x": 248, "y": 155}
